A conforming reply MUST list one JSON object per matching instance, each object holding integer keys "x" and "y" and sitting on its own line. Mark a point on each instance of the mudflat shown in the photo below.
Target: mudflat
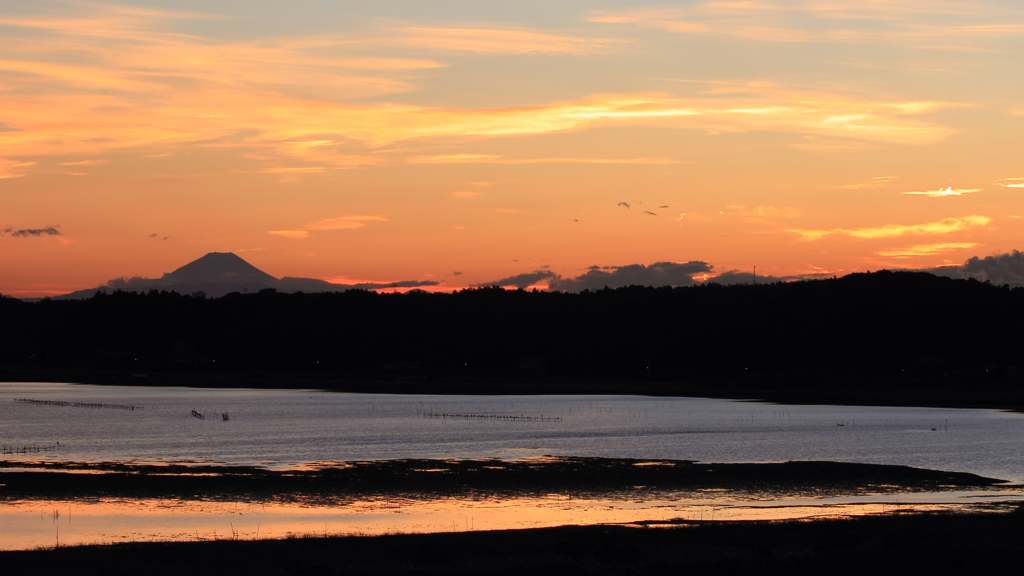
{"x": 412, "y": 477}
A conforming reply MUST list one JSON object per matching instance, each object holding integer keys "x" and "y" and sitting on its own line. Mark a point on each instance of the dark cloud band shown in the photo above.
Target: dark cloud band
{"x": 598, "y": 277}
{"x": 998, "y": 269}
{"x": 26, "y": 232}
{"x": 521, "y": 280}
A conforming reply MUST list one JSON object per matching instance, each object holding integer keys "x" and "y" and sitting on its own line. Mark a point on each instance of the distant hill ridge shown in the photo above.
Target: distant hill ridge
{"x": 220, "y": 273}
{"x": 878, "y": 331}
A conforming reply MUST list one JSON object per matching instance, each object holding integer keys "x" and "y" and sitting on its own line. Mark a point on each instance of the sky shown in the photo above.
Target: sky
{"x": 469, "y": 142}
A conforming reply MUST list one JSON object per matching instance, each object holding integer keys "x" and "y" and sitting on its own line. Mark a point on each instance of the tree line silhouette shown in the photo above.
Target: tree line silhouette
{"x": 888, "y": 325}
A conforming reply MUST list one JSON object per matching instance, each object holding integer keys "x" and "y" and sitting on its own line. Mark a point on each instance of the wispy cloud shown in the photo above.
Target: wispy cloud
{"x": 135, "y": 81}
{"x": 299, "y": 105}
{"x": 943, "y": 25}
{"x": 498, "y": 159}
{"x": 340, "y": 223}
{"x": 775, "y": 110}
{"x": 1010, "y": 182}
{"x": 944, "y": 192}
{"x": 298, "y": 102}
{"x": 294, "y": 170}
{"x": 830, "y": 145}
{"x": 152, "y": 61}
{"x": 455, "y": 159}
{"x": 926, "y": 249}
{"x": 290, "y": 233}
{"x": 343, "y": 223}
{"x": 944, "y": 226}
{"x": 13, "y": 168}
{"x": 84, "y": 163}
{"x": 767, "y": 108}
{"x": 762, "y": 213}
{"x": 497, "y": 41}
{"x": 874, "y": 182}
{"x": 776, "y": 212}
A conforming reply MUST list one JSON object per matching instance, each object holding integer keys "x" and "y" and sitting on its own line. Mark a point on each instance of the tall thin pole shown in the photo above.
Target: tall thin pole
{"x": 755, "y": 275}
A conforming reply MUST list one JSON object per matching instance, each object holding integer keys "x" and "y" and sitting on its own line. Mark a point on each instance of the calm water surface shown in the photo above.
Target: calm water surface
{"x": 287, "y": 428}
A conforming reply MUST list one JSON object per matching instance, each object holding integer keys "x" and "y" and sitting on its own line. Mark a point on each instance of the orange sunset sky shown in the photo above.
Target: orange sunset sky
{"x": 411, "y": 140}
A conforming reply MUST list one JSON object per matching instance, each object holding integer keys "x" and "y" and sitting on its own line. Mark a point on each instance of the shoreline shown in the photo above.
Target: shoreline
{"x": 797, "y": 389}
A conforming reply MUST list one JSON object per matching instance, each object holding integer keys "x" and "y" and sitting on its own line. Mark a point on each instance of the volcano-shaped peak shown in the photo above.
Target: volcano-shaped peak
{"x": 218, "y": 268}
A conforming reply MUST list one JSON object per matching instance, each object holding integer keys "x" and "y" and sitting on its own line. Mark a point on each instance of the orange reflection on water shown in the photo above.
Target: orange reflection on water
{"x": 27, "y": 524}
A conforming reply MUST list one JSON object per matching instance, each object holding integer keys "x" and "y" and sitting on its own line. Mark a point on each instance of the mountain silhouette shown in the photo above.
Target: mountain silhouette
{"x": 220, "y": 273}
{"x": 218, "y": 268}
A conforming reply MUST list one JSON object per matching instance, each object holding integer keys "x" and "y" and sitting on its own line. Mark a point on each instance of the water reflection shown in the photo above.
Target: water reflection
{"x": 27, "y": 524}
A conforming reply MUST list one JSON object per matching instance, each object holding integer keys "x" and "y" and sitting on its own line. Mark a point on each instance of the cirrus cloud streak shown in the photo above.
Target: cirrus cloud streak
{"x": 926, "y": 249}
{"x": 1010, "y": 182}
{"x": 13, "y": 168}
{"x": 899, "y": 22}
{"x": 498, "y": 159}
{"x": 944, "y": 192}
{"x": 339, "y": 223}
{"x": 498, "y": 41}
{"x": 944, "y": 226}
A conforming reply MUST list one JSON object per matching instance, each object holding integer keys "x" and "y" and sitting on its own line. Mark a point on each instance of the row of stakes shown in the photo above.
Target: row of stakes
{"x": 520, "y": 418}
{"x": 78, "y": 404}
{"x": 28, "y": 449}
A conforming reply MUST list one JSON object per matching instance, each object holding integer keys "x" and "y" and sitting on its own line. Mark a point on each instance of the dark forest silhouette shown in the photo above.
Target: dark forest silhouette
{"x": 871, "y": 328}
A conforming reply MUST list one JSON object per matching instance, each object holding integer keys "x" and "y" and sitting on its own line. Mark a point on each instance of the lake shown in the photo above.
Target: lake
{"x": 289, "y": 428}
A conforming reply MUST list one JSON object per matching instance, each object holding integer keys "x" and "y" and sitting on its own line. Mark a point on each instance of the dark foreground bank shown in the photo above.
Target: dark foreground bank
{"x": 909, "y": 544}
